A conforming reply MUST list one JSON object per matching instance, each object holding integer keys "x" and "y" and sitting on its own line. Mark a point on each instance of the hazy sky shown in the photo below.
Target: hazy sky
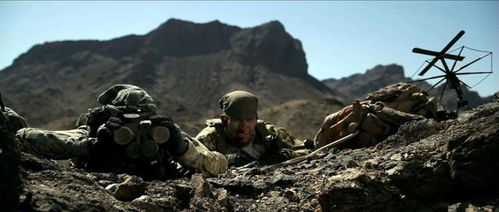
{"x": 339, "y": 38}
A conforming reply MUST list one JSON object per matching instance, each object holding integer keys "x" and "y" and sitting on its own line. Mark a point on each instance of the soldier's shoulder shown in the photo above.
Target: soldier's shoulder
{"x": 265, "y": 125}
{"x": 211, "y": 129}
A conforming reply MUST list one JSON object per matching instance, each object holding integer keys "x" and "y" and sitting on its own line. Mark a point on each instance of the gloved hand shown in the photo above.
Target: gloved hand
{"x": 277, "y": 157}
{"x": 237, "y": 159}
{"x": 104, "y": 140}
{"x": 176, "y": 145}
{"x": 105, "y": 131}
{"x": 95, "y": 118}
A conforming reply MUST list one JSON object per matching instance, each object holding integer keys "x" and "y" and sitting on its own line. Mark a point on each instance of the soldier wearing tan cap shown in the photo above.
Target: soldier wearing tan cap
{"x": 242, "y": 138}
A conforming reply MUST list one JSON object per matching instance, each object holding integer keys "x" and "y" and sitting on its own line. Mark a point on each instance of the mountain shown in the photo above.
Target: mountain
{"x": 185, "y": 66}
{"x": 358, "y": 85}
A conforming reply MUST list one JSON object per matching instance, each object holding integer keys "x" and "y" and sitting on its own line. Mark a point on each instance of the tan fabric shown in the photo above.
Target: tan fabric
{"x": 383, "y": 112}
{"x": 407, "y": 98}
{"x": 201, "y": 158}
{"x": 216, "y": 140}
{"x": 374, "y": 122}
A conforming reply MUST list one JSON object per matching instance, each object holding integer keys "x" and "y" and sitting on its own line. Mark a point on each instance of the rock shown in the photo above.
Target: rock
{"x": 201, "y": 187}
{"x": 206, "y": 197}
{"x": 146, "y": 203}
{"x": 292, "y": 195}
{"x": 474, "y": 161}
{"x": 128, "y": 190}
{"x": 183, "y": 192}
{"x": 356, "y": 190}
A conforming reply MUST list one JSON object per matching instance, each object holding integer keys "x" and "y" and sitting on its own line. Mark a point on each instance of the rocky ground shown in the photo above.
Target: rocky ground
{"x": 426, "y": 166}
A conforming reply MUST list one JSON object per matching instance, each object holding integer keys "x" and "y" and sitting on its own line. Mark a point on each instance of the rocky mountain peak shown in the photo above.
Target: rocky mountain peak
{"x": 187, "y": 66}
{"x": 180, "y": 38}
{"x": 358, "y": 85}
{"x": 393, "y": 71}
{"x": 271, "y": 45}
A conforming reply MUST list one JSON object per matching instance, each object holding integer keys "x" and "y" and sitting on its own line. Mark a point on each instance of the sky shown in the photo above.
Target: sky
{"x": 340, "y": 38}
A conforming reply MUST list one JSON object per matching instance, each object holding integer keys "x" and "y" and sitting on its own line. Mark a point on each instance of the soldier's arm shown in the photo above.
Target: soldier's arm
{"x": 286, "y": 140}
{"x": 55, "y": 144}
{"x": 198, "y": 156}
{"x": 208, "y": 138}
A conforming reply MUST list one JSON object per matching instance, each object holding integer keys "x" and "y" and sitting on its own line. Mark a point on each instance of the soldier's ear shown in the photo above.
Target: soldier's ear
{"x": 224, "y": 119}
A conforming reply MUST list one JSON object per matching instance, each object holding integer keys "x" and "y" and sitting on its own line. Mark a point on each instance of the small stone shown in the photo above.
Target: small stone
{"x": 104, "y": 182}
{"x": 222, "y": 197}
{"x": 291, "y": 195}
{"x": 182, "y": 191}
{"x": 397, "y": 157}
{"x": 111, "y": 188}
{"x": 372, "y": 163}
{"x": 130, "y": 189}
{"x": 146, "y": 203}
{"x": 352, "y": 164}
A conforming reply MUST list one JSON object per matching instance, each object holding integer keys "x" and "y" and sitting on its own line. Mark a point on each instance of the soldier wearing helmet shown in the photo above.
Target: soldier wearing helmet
{"x": 125, "y": 136}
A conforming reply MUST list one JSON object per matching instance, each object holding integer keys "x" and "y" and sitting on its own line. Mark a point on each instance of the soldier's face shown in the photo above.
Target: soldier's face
{"x": 241, "y": 131}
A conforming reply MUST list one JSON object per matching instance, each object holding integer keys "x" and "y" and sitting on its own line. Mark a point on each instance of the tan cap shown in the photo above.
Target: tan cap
{"x": 239, "y": 104}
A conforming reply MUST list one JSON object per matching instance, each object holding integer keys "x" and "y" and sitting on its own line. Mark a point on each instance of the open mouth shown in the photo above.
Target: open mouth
{"x": 242, "y": 133}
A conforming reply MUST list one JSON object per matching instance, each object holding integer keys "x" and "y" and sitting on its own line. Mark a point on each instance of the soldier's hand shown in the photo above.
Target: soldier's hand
{"x": 176, "y": 144}
{"x": 237, "y": 159}
{"x": 105, "y": 131}
{"x": 280, "y": 156}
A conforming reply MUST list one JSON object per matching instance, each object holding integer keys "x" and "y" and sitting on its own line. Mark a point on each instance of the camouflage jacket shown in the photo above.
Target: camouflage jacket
{"x": 269, "y": 139}
{"x": 70, "y": 144}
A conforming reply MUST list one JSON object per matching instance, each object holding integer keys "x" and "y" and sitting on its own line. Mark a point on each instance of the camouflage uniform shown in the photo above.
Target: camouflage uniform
{"x": 83, "y": 143}
{"x": 268, "y": 144}
{"x": 268, "y": 140}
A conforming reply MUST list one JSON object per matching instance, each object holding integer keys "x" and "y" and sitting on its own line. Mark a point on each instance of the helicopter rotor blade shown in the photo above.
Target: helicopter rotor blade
{"x": 435, "y": 84}
{"x": 439, "y": 68}
{"x": 455, "y": 61}
{"x": 430, "y": 64}
{"x": 452, "y": 42}
{"x": 437, "y": 54}
{"x": 464, "y": 84}
{"x": 434, "y": 77}
{"x": 474, "y": 61}
{"x": 442, "y": 53}
{"x": 482, "y": 72}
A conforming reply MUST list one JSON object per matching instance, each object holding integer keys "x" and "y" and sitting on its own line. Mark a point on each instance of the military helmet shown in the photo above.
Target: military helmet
{"x": 128, "y": 95}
